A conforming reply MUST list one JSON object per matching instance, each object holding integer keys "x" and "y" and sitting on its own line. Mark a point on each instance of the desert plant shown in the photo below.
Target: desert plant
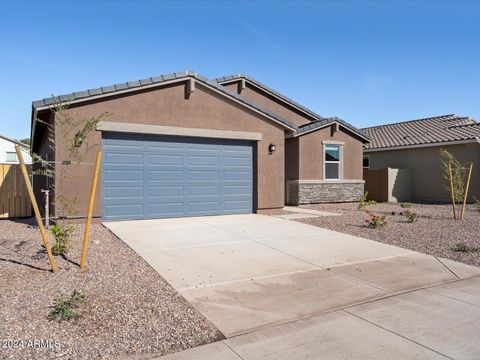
{"x": 457, "y": 186}
{"x": 375, "y": 221}
{"x": 62, "y": 235}
{"x": 63, "y": 308}
{"x": 411, "y": 216}
{"x": 462, "y": 247}
{"x": 363, "y": 201}
{"x": 406, "y": 205}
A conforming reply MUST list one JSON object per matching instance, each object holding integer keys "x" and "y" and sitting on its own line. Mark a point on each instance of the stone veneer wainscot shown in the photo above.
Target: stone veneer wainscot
{"x": 323, "y": 191}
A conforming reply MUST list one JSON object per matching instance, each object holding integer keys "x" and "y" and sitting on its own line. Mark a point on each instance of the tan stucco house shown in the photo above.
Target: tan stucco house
{"x": 413, "y": 147}
{"x": 183, "y": 145}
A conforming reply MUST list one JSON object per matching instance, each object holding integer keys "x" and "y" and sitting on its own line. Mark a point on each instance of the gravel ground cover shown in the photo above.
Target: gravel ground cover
{"x": 435, "y": 232}
{"x": 129, "y": 309}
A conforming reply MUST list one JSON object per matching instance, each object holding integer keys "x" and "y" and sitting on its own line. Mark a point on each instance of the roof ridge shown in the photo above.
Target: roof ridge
{"x": 269, "y": 89}
{"x": 410, "y": 121}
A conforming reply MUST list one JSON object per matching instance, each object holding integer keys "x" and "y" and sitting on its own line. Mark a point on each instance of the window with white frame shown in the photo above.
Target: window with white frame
{"x": 11, "y": 156}
{"x": 366, "y": 161}
{"x": 332, "y": 162}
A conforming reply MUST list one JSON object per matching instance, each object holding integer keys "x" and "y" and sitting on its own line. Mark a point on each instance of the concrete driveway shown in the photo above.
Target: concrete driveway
{"x": 280, "y": 289}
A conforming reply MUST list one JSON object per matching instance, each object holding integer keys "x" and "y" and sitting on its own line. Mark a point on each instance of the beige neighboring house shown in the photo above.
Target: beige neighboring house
{"x": 7, "y": 151}
{"x": 405, "y": 157}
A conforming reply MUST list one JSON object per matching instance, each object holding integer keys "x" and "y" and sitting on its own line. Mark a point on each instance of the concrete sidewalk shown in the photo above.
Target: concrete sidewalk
{"x": 281, "y": 289}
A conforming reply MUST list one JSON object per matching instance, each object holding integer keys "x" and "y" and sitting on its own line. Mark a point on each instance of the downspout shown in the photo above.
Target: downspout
{"x": 32, "y": 128}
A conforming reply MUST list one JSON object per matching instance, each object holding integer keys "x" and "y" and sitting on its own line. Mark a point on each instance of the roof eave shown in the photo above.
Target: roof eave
{"x": 365, "y": 139}
{"x": 416, "y": 146}
{"x": 70, "y": 98}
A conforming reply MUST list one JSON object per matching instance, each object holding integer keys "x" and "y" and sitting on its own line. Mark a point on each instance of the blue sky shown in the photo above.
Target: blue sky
{"x": 366, "y": 62}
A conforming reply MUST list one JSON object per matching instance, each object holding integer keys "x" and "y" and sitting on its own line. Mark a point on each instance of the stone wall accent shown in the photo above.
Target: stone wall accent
{"x": 315, "y": 192}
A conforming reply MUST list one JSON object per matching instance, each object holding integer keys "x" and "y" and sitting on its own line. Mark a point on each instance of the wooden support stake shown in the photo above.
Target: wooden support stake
{"x": 466, "y": 191}
{"x": 90, "y": 209}
{"x": 451, "y": 190}
{"x": 35, "y": 208}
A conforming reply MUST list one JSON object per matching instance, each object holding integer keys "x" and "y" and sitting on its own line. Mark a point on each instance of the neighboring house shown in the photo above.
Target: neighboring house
{"x": 415, "y": 145}
{"x": 184, "y": 145}
{"x": 8, "y": 154}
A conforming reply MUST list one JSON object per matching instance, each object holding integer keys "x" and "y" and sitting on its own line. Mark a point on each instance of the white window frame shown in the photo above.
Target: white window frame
{"x": 10, "y": 153}
{"x": 368, "y": 157}
{"x": 340, "y": 162}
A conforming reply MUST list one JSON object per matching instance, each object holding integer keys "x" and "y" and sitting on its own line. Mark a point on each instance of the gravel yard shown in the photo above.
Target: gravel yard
{"x": 435, "y": 232}
{"x": 129, "y": 309}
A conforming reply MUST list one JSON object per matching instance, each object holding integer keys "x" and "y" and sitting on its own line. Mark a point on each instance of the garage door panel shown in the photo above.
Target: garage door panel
{"x": 123, "y": 158}
{"x": 237, "y": 205}
{"x": 236, "y": 189}
{"x": 204, "y": 160}
{"x": 203, "y": 190}
{"x": 166, "y": 175}
{"x": 237, "y": 175}
{"x": 165, "y": 190}
{"x": 125, "y": 209}
{"x": 175, "y": 176}
{"x": 123, "y": 174}
{"x": 166, "y": 209}
{"x": 165, "y": 159}
{"x": 124, "y": 191}
{"x": 203, "y": 175}
{"x": 203, "y": 207}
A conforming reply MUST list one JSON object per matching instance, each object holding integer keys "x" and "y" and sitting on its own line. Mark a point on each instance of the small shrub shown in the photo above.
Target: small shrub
{"x": 462, "y": 247}
{"x": 63, "y": 309}
{"x": 406, "y": 205}
{"x": 363, "y": 201}
{"x": 411, "y": 216}
{"x": 62, "y": 237}
{"x": 375, "y": 221}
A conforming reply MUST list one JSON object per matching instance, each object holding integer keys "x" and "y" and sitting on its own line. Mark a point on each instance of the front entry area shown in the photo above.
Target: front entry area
{"x": 152, "y": 176}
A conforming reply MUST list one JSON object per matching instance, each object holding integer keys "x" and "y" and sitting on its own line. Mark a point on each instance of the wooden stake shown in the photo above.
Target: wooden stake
{"x": 90, "y": 209}
{"x": 451, "y": 190}
{"x": 466, "y": 191}
{"x": 35, "y": 208}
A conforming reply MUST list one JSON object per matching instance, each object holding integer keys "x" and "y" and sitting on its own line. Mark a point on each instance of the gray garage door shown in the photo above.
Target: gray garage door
{"x": 149, "y": 176}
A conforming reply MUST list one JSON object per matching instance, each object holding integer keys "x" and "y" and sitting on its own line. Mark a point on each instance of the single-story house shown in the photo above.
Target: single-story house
{"x": 8, "y": 154}
{"x": 183, "y": 145}
{"x": 415, "y": 146}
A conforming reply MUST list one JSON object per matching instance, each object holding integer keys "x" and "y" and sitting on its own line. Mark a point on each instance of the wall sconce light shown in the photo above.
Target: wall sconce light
{"x": 271, "y": 148}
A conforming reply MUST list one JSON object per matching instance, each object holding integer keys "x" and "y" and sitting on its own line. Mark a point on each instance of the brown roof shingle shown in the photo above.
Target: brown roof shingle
{"x": 438, "y": 129}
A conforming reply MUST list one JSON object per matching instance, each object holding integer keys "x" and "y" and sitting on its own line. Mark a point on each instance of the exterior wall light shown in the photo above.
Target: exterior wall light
{"x": 272, "y": 148}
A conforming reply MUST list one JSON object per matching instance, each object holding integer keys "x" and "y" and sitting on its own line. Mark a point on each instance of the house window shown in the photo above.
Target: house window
{"x": 333, "y": 165}
{"x": 366, "y": 161}
{"x": 11, "y": 157}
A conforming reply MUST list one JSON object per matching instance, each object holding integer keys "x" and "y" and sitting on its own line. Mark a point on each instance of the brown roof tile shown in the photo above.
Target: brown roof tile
{"x": 426, "y": 131}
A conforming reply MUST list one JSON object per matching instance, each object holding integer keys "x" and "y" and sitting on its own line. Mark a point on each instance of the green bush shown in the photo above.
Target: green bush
{"x": 62, "y": 235}
{"x": 411, "y": 216}
{"x": 405, "y": 205}
{"x": 363, "y": 201}
{"x": 63, "y": 309}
